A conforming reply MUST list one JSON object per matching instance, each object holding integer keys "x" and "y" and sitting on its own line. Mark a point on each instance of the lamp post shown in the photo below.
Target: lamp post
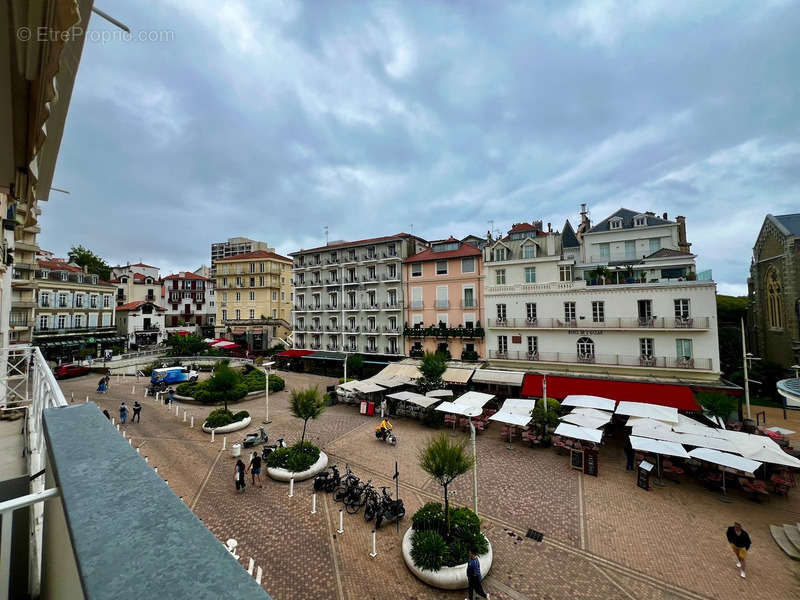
{"x": 747, "y": 357}
{"x": 266, "y": 367}
{"x": 474, "y": 413}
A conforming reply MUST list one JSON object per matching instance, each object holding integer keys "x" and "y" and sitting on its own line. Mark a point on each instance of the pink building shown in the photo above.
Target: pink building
{"x": 443, "y": 292}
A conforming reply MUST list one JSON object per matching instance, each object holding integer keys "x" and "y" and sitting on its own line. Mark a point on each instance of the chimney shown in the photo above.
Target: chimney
{"x": 665, "y": 217}
{"x": 683, "y": 245}
{"x": 650, "y": 213}
{"x": 85, "y": 268}
{"x": 549, "y": 228}
{"x": 585, "y": 224}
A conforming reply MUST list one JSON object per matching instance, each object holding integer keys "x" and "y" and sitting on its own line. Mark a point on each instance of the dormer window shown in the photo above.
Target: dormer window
{"x": 80, "y": 278}
{"x": 45, "y": 274}
{"x": 615, "y": 223}
{"x": 94, "y": 279}
{"x": 124, "y": 280}
{"x": 64, "y": 275}
{"x": 149, "y": 280}
{"x": 640, "y": 221}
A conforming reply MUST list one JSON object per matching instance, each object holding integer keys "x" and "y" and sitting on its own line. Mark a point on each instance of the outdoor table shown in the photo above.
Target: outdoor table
{"x": 780, "y": 486}
{"x": 755, "y": 488}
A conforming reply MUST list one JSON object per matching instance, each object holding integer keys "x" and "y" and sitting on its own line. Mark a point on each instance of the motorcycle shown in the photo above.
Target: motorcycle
{"x": 371, "y": 504}
{"x": 386, "y": 435}
{"x": 357, "y": 497}
{"x": 343, "y": 489}
{"x": 267, "y": 450}
{"x": 253, "y": 439}
{"x": 389, "y": 510}
{"x": 327, "y": 481}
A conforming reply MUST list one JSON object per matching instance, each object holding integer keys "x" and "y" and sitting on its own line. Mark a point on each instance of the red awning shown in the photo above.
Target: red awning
{"x": 182, "y": 333}
{"x": 662, "y": 394}
{"x": 295, "y": 353}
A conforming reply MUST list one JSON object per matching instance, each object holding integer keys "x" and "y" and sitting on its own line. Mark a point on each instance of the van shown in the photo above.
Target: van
{"x": 161, "y": 378}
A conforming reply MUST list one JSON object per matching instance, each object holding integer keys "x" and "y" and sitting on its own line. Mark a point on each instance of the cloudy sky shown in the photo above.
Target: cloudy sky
{"x": 274, "y": 119}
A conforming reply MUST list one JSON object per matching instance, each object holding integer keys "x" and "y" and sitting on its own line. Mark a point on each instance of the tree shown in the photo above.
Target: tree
{"x": 186, "y": 345}
{"x": 717, "y": 404}
{"x": 83, "y": 257}
{"x": 355, "y": 362}
{"x": 223, "y": 382}
{"x": 731, "y": 309}
{"x": 549, "y": 418}
{"x": 444, "y": 461}
{"x": 306, "y": 404}
{"x": 432, "y": 367}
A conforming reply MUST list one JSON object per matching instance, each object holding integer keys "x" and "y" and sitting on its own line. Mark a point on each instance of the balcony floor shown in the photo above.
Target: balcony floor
{"x": 12, "y": 464}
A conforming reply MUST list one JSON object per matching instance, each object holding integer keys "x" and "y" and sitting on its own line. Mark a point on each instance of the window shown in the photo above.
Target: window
{"x": 261, "y": 267}
{"x": 646, "y": 346}
{"x": 252, "y": 313}
{"x": 416, "y": 297}
{"x": 630, "y": 249}
{"x": 224, "y": 282}
{"x": 391, "y": 299}
{"x": 774, "y": 300}
{"x": 79, "y": 301}
{"x": 224, "y": 314}
{"x": 565, "y": 273}
{"x": 252, "y": 267}
{"x": 392, "y": 271}
{"x": 500, "y": 253}
{"x": 585, "y": 349}
{"x": 683, "y": 349}
{"x": 94, "y": 279}
{"x": 252, "y": 296}
{"x": 371, "y": 273}
{"x": 252, "y": 282}
{"x": 224, "y": 296}
{"x": 283, "y": 296}
{"x": 530, "y": 274}
{"x": 639, "y": 221}
{"x": 442, "y": 300}
{"x": 46, "y": 275}
{"x": 469, "y": 298}
{"x": 261, "y": 280}
{"x": 569, "y": 312}
{"x": 93, "y": 301}
{"x": 500, "y": 276}
{"x": 605, "y": 250}
{"x": 62, "y": 300}
{"x": 598, "y": 312}
{"x": 416, "y": 320}
{"x": 442, "y": 320}
{"x": 533, "y": 346}
{"x": 529, "y": 251}
{"x": 530, "y": 312}
{"x": 655, "y": 245}
{"x": 469, "y": 320}
{"x": 645, "y": 308}
{"x": 501, "y": 312}
{"x": 441, "y": 267}
{"x": 62, "y": 321}
{"x": 238, "y": 314}
{"x": 239, "y": 282}
{"x": 444, "y": 247}
{"x": 77, "y": 321}
{"x": 43, "y": 322}
{"x": 468, "y": 265}
{"x": 502, "y": 345}
{"x": 106, "y": 301}
{"x": 615, "y": 223}
{"x": 274, "y": 295}
{"x": 44, "y": 299}
{"x": 63, "y": 275}
{"x": 682, "y": 308}
{"x": 238, "y": 296}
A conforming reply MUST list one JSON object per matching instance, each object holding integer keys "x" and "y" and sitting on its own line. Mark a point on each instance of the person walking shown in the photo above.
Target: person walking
{"x": 137, "y": 412}
{"x": 171, "y": 396}
{"x": 238, "y": 475}
{"x": 740, "y": 543}
{"x": 255, "y": 469}
{"x": 101, "y": 387}
{"x": 474, "y": 576}
{"x": 123, "y": 413}
{"x": 628, "y": 454}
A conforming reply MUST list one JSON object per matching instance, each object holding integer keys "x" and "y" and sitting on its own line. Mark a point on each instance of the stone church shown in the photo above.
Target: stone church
{"x": 774, "y": 291}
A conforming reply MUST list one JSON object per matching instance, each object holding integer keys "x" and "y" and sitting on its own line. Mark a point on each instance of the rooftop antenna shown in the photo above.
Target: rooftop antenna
{"x": 326, "y": 235}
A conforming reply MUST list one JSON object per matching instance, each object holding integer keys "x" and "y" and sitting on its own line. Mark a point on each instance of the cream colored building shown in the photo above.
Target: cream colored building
{"x": 254, "y": 297}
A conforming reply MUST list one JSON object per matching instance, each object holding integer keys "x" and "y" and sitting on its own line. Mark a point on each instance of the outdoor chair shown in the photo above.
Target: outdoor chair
{"x": 449, "y": 419}
{"x": 779, "y": 485}
{"x": 670, "y": 471}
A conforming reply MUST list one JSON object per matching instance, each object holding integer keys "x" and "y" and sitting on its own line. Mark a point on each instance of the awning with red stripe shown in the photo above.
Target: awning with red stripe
{"x": 295, "y": 353}
{"x": 662, "y": 394}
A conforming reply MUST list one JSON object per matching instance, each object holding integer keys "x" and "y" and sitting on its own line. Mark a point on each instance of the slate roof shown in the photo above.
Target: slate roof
{"x": 429, "y": 254}
{"x": 627, "y": 220}
{"x": 334, "y": 245}
{"x": 790, "y": 222}
{"x": 568, "y": 237}
{"x": 668, "y": 252}
{"x": 254, "y": 254}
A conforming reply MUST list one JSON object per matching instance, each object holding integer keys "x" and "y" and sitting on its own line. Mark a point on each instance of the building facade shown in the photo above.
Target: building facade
{"x": 74, "y": 311}
{"x": 349, "y": 295}
{"x": 774, "y": 291}
{"x": 443, "y": 293}
{"x": 254, "y": 298}
{"x": 232, "y": 247}
{"x": 141, "y": 323}
{"x": 602, "y": 300}
{"x": 136, "y": 283}
{"x": 189, "y": 302}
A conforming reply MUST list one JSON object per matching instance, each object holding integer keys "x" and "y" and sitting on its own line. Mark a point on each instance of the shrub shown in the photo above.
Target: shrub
{"x": 276, "y": 383}
{"x": 428, "y": 550}
{"x": 240, "y": 416}
{"x": 345, "y": 379}
{"x": 219, "y": 418}
{"x": 295, "y": 458}
{"x": 430, "y": 516}
{"x": 465, "y": 533}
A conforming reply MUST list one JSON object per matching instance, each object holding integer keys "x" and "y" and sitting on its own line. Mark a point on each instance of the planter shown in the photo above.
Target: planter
{"x": 446, "y": 578}
{"x": 286, "y": 475}
{"x": 228, "y": 428}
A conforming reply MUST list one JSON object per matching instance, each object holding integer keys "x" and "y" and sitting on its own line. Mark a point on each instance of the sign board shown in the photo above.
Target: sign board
{"x": 90, "y": 340}
{"x": 108, "y": 354}
{"x": 590, "y": 462}
{"x": 516, "y": 339}
{"x": 576, "y": 459}
{"x": 643, "y": 475}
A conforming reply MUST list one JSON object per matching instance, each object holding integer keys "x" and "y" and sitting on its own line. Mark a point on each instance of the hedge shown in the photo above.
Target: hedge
{"x": 294, "y": 458}
{"x": 221, "y": 417}
{"x": 430, "y": 549}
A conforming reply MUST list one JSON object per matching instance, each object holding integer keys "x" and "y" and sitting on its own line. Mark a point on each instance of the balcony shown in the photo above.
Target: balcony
{"x": 372, "y": 329}
{"x": 371, "y": 350}
{"x": 390, "y": 350}
{"x": 417, "y": 304}
{"x": 333, "y": 306}
{"x": 621, "y": 360}
{"x": 389, "y": 305}
{"x": 350, "y": 306}
{"x": 351, "y": 280}
{"x": 390, "y": 277}
{"x": 370, "y": 278}
{"x": 352, "y": 328}
{"x": 442, "y": 303}
{"x": 314, "y": 327}
{"x": 349, "y": 259}
{"x": 370, "y": 306}
{"x": 297, "y": 307}
{"x": 333, "y": 328}
{"x": 300, "y": 284}
{"x": 333, "y": 260}
{"x": 332, "y": 282}
{"x": 315, "y": 346}
{"x": 316, "y": 308}
{"x": 315, "y": 283}
{"x": 444, "y": 332}
{"x": 369, "y": 257}
{"x": 612, "y": 323}
{"x": 391, "y": 330}
{"x": 390, "y": 256}
{"x": 332, "y": 347}
{"x": 299, "y": 327}
{"x": 469, "y": 304}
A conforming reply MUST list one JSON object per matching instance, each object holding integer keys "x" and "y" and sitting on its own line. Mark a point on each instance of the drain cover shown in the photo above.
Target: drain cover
{"x": 534, "y": 535}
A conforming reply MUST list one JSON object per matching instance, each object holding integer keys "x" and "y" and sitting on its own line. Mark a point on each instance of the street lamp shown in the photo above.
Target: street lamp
{"x": 474, "y": 412}
{"x": 266, "y": 367}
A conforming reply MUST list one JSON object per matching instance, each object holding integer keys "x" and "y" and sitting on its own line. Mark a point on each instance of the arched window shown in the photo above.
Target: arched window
{"x": 585, "y": 349}
{"x": 774, "y": 300}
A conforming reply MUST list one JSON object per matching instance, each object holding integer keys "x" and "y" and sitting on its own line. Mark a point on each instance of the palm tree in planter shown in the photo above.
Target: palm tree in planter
{"x": 444, "y": 460}
{"x": 306, "y": 404}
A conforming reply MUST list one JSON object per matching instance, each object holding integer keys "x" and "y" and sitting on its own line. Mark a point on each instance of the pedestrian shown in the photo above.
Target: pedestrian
{"x": 255, "y": 469}
{"x": 101, "y": 387}
{"x": 105, "y": 412}
{"x": 107, "y": 379}
{"x": 171, "y": 396}
{"x": 740, "y": 543}
{"x": 474, "y": 576}
{"x": 123, "y": 413}
{"x": 628, "y": 454}
{"x": 137, "y": 412}
{"x": 238, "y": 475}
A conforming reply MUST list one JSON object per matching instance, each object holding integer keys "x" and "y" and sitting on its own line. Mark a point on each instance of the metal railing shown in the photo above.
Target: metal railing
{"x": 442, "y": 303}
{"x": 607, "y": 323}
{"x": 622, "y": 360}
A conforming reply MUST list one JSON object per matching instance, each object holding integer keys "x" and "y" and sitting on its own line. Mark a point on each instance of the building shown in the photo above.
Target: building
{"x": 774, "y": 291}
{"x": 620, "y": 298}
{"x": 234, "y": 246}
{"x": 443, "y": 292}
{"x": 349, "y": 295}
{"x": 142, "y": 323}
{"x": 189, "y": 302}
{"x": 74, "y": 313}
{"x": 137, "y": 283}
{"x": 254, "y": 298}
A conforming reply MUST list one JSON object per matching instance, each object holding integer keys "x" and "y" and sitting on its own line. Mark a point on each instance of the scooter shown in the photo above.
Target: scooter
{"x": 253, "y": 439}
{"x": 327, "y": 481}
{"x": 267, "y": 450}
{"x": 386, "y": 435}
{"x": 389, "y": 510}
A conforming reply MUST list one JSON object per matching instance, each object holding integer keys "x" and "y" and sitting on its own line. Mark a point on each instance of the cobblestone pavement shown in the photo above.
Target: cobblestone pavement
{"x": 604, "y": 538}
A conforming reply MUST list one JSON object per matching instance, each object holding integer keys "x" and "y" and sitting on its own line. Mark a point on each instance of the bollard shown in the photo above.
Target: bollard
{"x": 130, "y": 441}
{"x": 250, "y": 567}
{"x": 87, "y": 399}
{"x": 112, "y": 421}
{"x": 374, "y": 552}
{"x": 212, "y": 436}
{"x": 117, "y": 426}
{"x": 138, "y": 450}
{"x": 291, "y": 487}
{"x": 72, "y": 397}
{"x": 191, "y": 423}
{"x": 259, "y": 573}
{"x": 133, "y": 390}
{"x": 341, "y": 523}
{"x": 176, "y": 410}
{"x": 145, "y": 393}
{"x": 314, "y": 503}
{"x": 224, "y": 442}
{"x": 184, "y": 416}
{"x": 156, "y": 468}
{"x": 146, "y": 460}
{"x": 123, "y": 434}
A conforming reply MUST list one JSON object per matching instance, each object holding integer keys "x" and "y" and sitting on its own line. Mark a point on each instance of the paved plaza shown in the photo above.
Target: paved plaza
{"x": 603, "y": 537}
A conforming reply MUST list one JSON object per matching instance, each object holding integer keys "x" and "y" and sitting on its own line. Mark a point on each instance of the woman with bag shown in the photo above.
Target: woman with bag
{"x": 238, "y": 475}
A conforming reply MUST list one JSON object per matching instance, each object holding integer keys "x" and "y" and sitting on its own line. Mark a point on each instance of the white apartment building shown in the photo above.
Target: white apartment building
{"x": 189, "y": 302}
{"x": 136, "y": 283}
{"x": 618, "y": 299}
